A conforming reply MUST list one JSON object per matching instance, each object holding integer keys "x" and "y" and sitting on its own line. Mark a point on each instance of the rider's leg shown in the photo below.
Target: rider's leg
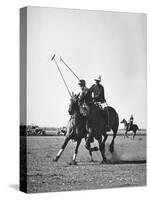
{"x": 89, "y": 134}
{"x": 129, "y": 126}
{"x": 88, "y": 139}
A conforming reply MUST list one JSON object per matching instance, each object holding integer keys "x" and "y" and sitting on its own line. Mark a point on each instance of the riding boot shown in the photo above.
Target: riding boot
{"x": 88, "y": 141}
{"x": 107, "y": 126}
{"x": 128, "y": 128}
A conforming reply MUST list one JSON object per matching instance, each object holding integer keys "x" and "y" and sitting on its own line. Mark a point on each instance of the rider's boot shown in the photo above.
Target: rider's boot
{"x": 88, "y": 141}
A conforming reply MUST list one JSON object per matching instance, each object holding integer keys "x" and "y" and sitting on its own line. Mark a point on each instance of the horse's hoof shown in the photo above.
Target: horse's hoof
{"x": 55, "y": 159}
{"x": 73, "y": 162}
{"x": 104, "y": 162}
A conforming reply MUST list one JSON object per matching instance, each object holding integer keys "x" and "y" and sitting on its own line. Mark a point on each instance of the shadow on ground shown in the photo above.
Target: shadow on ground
{"x": 14, "y": 187}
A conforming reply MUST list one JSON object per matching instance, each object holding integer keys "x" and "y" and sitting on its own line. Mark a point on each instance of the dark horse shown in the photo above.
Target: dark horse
{"x": 133, "y": 127}
{"x": 77, "y": 128}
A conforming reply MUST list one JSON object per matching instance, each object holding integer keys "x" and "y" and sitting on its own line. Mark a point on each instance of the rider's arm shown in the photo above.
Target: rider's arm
{"x": 91, "y": 88}
{"x": 82, "y": 96}
{"x": 103, "y": 95}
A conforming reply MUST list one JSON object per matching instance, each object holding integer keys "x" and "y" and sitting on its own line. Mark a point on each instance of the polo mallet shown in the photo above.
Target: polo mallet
{"x": 53, "y": 58}
{"x": 69, "y": 68}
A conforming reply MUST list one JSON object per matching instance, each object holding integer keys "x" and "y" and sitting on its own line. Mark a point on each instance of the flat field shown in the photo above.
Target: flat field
{"x": 43, "y": 175}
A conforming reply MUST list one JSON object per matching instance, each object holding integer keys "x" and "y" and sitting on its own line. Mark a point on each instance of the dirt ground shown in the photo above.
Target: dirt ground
{"x": 43, "y": 175}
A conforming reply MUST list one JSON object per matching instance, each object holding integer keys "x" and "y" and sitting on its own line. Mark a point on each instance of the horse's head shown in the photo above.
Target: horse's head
{"x": 123, "y": 121}
{"x": 74, "y": 106}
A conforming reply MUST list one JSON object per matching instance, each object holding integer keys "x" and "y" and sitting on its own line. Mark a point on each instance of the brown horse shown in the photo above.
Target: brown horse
{"x": 76, "y": 130}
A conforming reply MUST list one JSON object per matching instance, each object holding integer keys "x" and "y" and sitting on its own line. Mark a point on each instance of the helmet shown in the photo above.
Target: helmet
{"x": 82, "y": 82}
{"x": 98, "y": 79}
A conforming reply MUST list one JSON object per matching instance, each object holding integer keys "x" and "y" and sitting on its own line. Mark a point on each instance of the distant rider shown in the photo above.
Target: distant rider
{"x": 130, "y": 122}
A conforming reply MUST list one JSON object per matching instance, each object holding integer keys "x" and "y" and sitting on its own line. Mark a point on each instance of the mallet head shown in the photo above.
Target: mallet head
{"x": 53, "y": 57}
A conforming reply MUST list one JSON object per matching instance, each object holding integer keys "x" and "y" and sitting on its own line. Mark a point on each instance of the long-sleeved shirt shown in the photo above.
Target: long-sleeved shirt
{"x": 98, "y": 91}
{"x": 131, "y": 120}
{"x": 85, "y": 96}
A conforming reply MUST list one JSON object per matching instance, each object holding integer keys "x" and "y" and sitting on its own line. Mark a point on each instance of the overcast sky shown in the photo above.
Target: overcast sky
{"x": 92, "y": 43}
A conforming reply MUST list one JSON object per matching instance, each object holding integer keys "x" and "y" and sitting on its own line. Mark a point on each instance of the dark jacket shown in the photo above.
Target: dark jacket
{"x": 98, "y": 91}
{"x": 131, "y": 120}
{"x": 85, "y": 96}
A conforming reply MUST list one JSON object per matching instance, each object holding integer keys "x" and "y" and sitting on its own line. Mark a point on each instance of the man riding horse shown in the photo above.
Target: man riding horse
{"x": 88, "y": 121}
{"x": 86, "y": 99}
{"x": 99, "y": 97}
{"x": 130, "y": 122}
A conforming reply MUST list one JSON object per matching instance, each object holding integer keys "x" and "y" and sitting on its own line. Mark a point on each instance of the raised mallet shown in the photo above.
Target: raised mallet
{"x": 53, "y": 58}
{"x": 69, "y": 68}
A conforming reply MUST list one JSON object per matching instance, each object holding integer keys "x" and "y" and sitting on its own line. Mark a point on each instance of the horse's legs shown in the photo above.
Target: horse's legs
{"x": 75, "y": 153}
{"x": 61, "y": 149}
{"x": 134, "y": 134}
{"x": 104, "y": 140}
{"x": 90, "y": 152}
{"x": 125, "y": 134}
{"x": 113, "y": 140}
{"x": 102, "y": 149}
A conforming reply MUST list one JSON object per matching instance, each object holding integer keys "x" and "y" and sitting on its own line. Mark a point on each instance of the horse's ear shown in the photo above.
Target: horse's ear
{"x": 72, "y": 95}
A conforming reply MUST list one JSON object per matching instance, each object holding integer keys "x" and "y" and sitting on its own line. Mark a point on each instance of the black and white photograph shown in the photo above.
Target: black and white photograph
{"x": 83, "y": 99}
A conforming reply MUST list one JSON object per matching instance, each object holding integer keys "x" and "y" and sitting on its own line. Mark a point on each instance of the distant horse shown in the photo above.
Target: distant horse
{"x": 77, "y": 128}
{"x": 133, "y": 127}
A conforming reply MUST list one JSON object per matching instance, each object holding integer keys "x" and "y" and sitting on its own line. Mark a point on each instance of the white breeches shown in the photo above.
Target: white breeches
{"x": 104, "y": 105}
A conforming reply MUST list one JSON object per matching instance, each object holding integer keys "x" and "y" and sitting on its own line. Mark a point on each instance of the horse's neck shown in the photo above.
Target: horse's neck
{"x": 126, "y": 123}
{"x": 76, "y": 113}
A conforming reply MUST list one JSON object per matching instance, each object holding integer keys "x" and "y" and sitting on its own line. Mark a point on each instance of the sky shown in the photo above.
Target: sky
{"x": 92, "y": 43}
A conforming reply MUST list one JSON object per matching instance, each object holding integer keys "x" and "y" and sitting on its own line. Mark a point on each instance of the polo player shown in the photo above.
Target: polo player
{"x": 98, "y": 95}
{"x": 130, "y": 122}
{"x": 85, "y": 99}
